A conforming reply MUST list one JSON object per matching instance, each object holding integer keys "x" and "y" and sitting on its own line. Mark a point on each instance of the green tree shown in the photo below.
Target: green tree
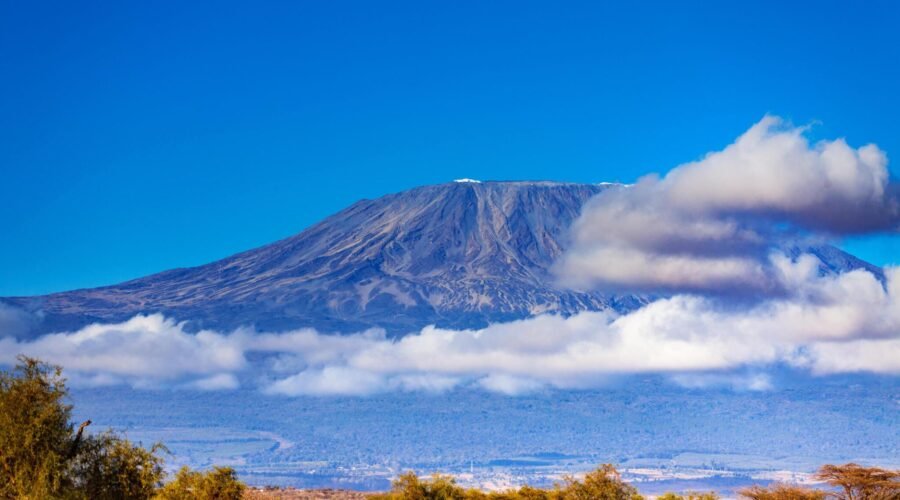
{"x": 42, "y": 455}
{"x": 35, "y": 435}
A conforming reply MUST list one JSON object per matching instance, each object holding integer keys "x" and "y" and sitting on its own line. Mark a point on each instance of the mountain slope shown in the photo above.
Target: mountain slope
{"x": 457, "y": 255}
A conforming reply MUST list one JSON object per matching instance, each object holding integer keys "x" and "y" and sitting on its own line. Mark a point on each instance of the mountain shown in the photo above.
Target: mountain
{"x": 460, "y": 254}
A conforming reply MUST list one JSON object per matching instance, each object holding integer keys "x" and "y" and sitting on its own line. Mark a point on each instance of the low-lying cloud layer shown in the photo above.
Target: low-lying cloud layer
{"x": 708, "y": 226}
{"x": 833, "y": 324}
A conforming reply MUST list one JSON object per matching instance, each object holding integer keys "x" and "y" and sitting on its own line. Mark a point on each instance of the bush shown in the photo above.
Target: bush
{"x": 220, "y": 483}
{"x": 110, "y": 467}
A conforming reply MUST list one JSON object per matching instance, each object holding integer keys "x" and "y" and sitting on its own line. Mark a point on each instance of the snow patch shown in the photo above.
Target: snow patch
{"x": 473, "y": 181}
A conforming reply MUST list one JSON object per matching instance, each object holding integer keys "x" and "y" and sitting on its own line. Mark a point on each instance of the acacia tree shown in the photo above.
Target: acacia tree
{"x": 856, "y": 482}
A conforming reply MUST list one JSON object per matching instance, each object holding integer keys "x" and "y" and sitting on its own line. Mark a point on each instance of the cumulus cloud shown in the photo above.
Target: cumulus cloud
{"x": 710, "y": 225}
{"x": 772, "y": 170}
{"x": 142, "y": 350}
{"x": 832, "y": 324}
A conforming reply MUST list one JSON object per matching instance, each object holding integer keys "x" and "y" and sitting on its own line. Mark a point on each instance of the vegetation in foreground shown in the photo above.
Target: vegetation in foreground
{"x": 43, "y": 455}
{"x": 603, "y": 483}
{"x": 849, "y": 482}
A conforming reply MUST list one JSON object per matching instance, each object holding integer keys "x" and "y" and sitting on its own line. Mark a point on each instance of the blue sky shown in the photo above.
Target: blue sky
{"x": 137, "y": 137}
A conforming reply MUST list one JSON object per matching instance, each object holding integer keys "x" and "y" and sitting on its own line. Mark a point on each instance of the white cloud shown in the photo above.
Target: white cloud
{"x": 708, "y": 226}
{"x": 220, "y": 382}
{"x": 142, "y": 350}
{"x": 737, "y": 382}
{"x": 509, "y": 385}
{"x": 329, "y": 380}
{"x": 773, "y": 170}
{"x": 880, "y": 356}
{"x": 829, "y": 324}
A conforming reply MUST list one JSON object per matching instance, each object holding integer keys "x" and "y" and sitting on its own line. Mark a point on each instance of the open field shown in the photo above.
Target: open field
{"x": 661, "y": 436}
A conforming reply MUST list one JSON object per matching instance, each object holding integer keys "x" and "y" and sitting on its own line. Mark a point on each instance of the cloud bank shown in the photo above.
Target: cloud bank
{"x": 833, "y": 324}
{"x": 710, "y": 225}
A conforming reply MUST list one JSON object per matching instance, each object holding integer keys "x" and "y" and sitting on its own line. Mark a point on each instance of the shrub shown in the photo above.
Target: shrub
{"x": 220, "y": 483}
{"x": 110, "y": 467}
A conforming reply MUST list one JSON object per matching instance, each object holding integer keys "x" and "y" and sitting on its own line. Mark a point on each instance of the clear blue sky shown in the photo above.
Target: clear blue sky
{"x": 141, "y": 136}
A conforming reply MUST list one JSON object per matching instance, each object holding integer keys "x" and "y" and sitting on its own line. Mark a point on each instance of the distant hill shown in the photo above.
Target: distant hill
{"x": 460, "y": 254}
